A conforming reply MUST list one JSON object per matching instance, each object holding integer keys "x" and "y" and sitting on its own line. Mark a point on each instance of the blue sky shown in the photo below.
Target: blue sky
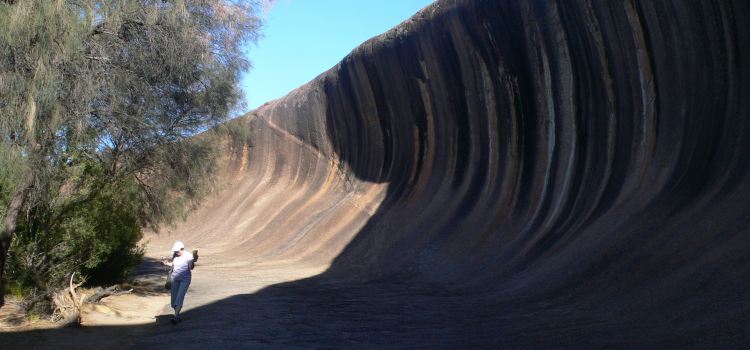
{"x": 303, "y": 38}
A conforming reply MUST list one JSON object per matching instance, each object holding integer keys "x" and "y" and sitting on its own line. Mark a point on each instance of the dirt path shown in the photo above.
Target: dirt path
{"x": 114, "y": 321}
{"x": 232, "y": 305}
{"x": 262, "y": 305}
{"x": 141, "y": 318}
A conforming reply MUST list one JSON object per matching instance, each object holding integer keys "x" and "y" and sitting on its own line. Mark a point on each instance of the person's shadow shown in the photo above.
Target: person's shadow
{"x": 163, "y": 319}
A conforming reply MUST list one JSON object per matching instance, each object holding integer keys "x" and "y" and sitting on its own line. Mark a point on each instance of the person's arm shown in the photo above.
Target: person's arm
{"x": 165, "y": 261}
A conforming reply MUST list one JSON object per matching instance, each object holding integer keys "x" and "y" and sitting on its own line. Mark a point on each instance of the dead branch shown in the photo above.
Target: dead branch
{"x": 102, "y": 293}
{"x": 68, "y": 304}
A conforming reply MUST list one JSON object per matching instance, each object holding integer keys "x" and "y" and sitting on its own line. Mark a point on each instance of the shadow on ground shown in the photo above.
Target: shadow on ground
{"x": 151, "y": 275}
{"x": 322, "y": 313}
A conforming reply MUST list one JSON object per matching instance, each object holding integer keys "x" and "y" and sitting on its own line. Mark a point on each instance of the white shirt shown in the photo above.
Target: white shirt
{"x": 181, "y": 266}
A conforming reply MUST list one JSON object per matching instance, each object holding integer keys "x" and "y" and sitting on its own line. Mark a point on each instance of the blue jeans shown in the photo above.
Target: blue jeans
{"x": 179, "y": 289}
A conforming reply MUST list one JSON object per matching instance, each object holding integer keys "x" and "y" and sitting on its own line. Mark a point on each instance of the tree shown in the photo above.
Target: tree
{"x": 120, "y": 86}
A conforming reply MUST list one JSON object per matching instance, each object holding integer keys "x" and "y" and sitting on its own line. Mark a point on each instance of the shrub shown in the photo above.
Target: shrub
{"x": 96, "y": 234}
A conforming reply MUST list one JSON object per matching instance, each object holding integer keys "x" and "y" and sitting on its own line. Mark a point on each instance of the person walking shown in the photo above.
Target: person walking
{"x": 182, "y": 264}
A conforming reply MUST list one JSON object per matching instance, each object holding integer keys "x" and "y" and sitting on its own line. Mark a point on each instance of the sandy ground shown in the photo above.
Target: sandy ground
{"x": 234, "y": 305}
{"x": 141, "y": 318}
{"x": 231, "y": 305}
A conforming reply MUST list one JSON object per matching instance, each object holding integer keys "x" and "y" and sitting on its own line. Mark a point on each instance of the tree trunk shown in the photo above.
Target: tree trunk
{"x": 9, "y": 225}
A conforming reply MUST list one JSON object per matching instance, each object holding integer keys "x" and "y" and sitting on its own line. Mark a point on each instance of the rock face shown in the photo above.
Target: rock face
{"x": 578, "y": 169}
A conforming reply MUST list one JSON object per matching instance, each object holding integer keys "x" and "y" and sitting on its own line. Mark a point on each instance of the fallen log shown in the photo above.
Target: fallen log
{"x": 105, "y": 292}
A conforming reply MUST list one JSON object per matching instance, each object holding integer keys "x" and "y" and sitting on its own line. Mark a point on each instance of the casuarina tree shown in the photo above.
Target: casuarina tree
{"x": 100, "y": 102}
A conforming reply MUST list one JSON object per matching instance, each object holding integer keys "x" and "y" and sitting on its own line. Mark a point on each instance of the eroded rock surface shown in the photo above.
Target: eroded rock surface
{"x": 504, "y": 174}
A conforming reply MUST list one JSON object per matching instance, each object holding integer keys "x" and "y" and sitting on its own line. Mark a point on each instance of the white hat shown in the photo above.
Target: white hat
{"x": 177, "y": 246}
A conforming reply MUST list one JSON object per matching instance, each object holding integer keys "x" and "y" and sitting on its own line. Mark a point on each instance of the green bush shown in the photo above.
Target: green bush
{"x": 95, "y": 234}
{"x": 101, "y": 235}
{"x": 240, "y": 133}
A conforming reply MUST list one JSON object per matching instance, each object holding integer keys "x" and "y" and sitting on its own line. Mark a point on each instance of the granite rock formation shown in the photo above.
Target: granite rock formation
{"x": 577, "y": 172}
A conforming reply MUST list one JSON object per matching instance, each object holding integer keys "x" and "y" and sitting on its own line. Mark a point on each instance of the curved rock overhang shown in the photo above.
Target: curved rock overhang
{"x": 587, "y": 154}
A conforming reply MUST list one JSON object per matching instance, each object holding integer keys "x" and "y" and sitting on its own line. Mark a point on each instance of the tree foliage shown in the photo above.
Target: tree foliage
{"x": 98, "y": 103}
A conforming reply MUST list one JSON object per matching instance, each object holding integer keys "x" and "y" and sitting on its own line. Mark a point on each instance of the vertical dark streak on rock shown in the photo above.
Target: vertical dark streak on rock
{"x": 578, "y": 165}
